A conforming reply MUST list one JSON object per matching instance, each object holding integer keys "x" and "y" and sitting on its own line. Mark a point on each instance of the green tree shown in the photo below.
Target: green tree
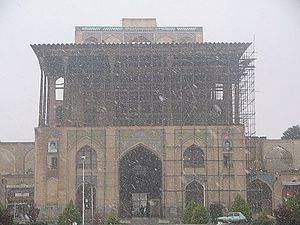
{"x": 112, "y": 218}
{"x": 262, "y": 216}
{"x": 200, "y": 214}
{"x": 293, "y": 204}
{"x": 187, "y": 212}
{"x": 240, "y": 205}
{"x": 215, "y": 211}
{"x": 291, "y": 133}
{"x": 69, "y": 215}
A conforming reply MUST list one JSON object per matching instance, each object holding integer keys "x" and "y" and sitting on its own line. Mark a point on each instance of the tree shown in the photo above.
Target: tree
{"x": 240, "y": 205}
{"x": 215, "y": 211}
{"x": 187, "y": 212}
{"x": 291, "y": 133}
{"x": 199, "y": 215}
{"x": 262, "y": 216}
{"x": 69, "y": 215}
{"x": 112, "y": 218}
{"x": 293, "y": 204}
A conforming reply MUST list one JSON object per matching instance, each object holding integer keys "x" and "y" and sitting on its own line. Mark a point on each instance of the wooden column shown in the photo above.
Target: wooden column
{"x": 51, "y": 102}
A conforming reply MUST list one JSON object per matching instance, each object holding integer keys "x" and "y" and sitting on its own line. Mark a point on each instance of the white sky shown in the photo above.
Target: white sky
{"x": 275, "y": 24}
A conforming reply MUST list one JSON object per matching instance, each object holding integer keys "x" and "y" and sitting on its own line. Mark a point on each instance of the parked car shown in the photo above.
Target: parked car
{"x": 232, "y": 217}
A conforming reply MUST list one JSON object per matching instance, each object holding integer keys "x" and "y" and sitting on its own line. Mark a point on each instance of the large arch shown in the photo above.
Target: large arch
{"x": 140, "y": 182}
{"x": 278, "y": 159}
{"x": 7, "y": 162}
{"x": 259, "y": 196}
{"x": 194, "y": 192}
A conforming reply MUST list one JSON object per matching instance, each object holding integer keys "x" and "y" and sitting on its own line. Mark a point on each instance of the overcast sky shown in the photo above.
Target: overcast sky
{"x": 274, "y": 23}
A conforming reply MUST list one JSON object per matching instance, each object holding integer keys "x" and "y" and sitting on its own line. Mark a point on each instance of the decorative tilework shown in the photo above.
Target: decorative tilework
{"x": 73, "y": 136}
{"x": 190, "y": 178}
{"x": 182, "y": 135}
{"x": 264, "y": 177}
{"x": 153, "y": 138}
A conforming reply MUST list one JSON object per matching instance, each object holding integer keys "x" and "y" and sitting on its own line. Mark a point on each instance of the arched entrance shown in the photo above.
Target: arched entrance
{"x": 259, "y": 196}
{"x": 140, "y": 183}
{"x": 194, "y": 192}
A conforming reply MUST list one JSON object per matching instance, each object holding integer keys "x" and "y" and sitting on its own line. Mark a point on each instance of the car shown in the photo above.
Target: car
{"x": 232, "y": 217}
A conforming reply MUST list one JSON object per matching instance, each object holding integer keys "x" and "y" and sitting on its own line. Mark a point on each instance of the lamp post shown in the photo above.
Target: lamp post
{"x": 83, "y": 203}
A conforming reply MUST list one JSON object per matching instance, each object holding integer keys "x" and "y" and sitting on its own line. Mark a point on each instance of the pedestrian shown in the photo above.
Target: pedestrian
{"x": 142, "y": 210}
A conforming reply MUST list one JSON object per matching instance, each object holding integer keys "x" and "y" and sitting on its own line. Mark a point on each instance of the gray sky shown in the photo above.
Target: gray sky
{"x": 275, "y": 24}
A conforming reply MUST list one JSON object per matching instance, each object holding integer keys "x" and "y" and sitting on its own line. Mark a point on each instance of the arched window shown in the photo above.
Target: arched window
{"x": 193, "y": 156}
{"x": 59, "y": 89}
{"x": 90, "y": 161}
{"x": 194, "y": 192}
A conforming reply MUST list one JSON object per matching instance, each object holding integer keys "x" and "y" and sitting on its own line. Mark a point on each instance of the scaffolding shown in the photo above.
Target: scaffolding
{"x": 191, "y": 86}
{"x": 146, "y": 84}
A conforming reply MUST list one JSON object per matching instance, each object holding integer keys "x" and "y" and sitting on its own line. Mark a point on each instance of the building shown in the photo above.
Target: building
{"x": 144, "y": 115}
{"x": 273, "y": 173}
{"x": 17, "y": 165}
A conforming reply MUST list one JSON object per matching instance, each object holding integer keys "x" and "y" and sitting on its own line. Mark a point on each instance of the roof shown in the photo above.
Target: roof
{"x": 208, "y": 48}
{"x": 140, "y": 29}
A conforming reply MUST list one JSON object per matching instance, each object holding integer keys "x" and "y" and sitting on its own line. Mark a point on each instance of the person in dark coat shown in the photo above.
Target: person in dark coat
{"x": 142, "y": 210}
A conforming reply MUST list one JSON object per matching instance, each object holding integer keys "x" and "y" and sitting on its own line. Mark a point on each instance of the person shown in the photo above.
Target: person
{"x": 227, "y": 146}
{"x": 52, "y": 147}
{"x": 148, "y": 209}
{"x": 142, "y": 210}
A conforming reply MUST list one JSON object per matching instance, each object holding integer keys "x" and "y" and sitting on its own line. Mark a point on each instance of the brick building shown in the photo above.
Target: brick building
{"x": 150, "y": 115}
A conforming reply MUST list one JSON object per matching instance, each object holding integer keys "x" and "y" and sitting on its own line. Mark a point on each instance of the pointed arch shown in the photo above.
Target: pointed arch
{"x": 259, "y": 196}
{"x": 278, "y": 159}
{"x": 140, "y": 39}
{"x": 140, "y": 175}
{"x": 91, "y": 40}
{"x": 112, "y": 39}
{"x": 193, "y": 157}
{"x": 90, "y": 157}
{"x": 186, "y": 39}
{"x": 137, "y": 145}
{"x": 7, "y": 161}
{"x": 86, "y": 140}
{"x": 165, "y": 39}
{"x": 194, "y": 192}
